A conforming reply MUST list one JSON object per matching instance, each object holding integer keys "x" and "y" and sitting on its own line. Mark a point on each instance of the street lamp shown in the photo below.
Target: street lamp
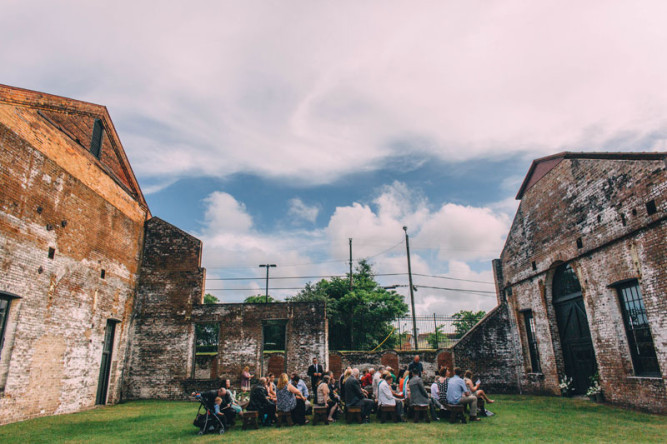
{"x": 267, "y": 266}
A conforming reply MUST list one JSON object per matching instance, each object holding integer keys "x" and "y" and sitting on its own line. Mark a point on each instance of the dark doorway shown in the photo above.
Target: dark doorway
{"x": 575, "y": 335}
{"x": 105, "y": 366}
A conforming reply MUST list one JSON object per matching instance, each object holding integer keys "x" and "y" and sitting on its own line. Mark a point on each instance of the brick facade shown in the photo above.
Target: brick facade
{"x": 66, "y": 217}
{"x": 593, "y": 212}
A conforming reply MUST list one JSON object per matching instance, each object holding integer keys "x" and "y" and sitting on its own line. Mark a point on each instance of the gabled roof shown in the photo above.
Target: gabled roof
{"x": 540, "y": 167}
{"x": 75, "y": 119}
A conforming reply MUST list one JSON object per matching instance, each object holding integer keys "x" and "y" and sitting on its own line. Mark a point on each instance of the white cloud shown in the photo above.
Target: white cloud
{"x": 316, "y": 90}
{"x": 445, "y": 242}
{"x": 300, "y": 211}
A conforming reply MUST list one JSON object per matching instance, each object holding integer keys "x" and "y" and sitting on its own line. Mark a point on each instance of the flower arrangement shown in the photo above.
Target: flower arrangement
{"x": 594, "y": 391}
{"x": 566, "y": 385}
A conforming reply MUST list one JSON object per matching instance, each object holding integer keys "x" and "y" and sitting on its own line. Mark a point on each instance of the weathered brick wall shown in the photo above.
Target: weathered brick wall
{"x": 241, "y": 335}
{"x": 170, "y": 282}
{"x": 489, "y": 351}
{"x": 602, "y": 202}
{"x": 53, "y": 194}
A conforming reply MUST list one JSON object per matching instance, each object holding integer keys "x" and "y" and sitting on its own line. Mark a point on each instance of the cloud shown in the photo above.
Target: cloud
{"x": 302, "y": 212}
{"x": 446, "y": 243}
{"x": 315, "y": 91}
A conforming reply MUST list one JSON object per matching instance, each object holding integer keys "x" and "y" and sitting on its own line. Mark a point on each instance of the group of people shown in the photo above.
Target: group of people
{"x": 382, "y": 388}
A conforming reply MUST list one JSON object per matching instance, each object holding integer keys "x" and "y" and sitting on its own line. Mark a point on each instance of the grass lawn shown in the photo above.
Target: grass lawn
{"x": 518, "y": 418}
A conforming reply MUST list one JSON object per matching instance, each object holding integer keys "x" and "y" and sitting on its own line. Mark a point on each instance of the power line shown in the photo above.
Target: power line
{"x": 253, "y": 289}
{"x": 452, "y": 279}
{"x": 459, "y": 290}
{"x": 343, "y": 275}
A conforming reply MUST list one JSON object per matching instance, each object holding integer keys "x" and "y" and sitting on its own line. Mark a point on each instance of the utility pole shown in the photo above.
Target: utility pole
{"x": 412, "y": 294}
{"x": 267, "y": 266}
{"x": 350, "y": 264}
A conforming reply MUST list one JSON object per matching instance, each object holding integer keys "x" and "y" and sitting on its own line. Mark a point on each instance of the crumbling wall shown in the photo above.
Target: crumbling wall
{"x": 241, "y": 335}
{"x": 170, "y": 282}
{"x": 488, "y": 350}
{"x": 50, "y": 361}
{"x": 593, "y": 214}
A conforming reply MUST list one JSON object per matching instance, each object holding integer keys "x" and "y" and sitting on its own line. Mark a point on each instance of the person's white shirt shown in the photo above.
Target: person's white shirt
{"x": 434, "y": 390}
{"x": 376, "y": 379}
{"x": 385, "y": 397}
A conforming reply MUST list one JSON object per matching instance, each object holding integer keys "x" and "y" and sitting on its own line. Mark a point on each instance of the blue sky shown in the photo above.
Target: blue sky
{"x": 274, "y": 131}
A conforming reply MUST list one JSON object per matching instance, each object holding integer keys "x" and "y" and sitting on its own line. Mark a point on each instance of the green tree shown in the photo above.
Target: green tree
{"x": 258, "y": 299}
{"x": 210, "y": 299}
{"x": 436, "y": 338}
{"x": 359, "y": 318}
{"x": 464, "y": 320}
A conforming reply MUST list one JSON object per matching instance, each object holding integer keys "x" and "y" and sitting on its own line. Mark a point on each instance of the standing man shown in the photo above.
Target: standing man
{"x": 315, "y": 372}
{"x": 416, "y": 367}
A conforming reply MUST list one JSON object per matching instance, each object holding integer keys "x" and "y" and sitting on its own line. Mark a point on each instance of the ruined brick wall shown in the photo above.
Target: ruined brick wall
{"x": 489, "y": 351}
{"x": 241, "y": 336}
{"x": 170, "y": 282}
{"x": 55, "y": 194}
{"x": 602, "y": 202}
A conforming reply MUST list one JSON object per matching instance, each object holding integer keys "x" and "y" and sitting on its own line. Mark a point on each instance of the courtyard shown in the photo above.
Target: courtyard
{"x": 517, "y": 419}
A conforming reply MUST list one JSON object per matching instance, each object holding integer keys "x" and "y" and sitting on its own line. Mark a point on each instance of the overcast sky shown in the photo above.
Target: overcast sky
{"x": 276, "y": 130}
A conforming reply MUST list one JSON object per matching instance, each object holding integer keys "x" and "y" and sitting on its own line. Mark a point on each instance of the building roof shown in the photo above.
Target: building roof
{"x": 75, "y": 120}
{"x": 540, "y": 167}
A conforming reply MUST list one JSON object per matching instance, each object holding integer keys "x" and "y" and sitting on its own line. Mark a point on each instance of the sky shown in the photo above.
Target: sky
{"x": 275, "y": 131}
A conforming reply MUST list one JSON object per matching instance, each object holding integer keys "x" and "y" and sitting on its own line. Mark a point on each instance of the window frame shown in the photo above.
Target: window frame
{"x": 628, "y": 298}
{"x": 531, "y": 341}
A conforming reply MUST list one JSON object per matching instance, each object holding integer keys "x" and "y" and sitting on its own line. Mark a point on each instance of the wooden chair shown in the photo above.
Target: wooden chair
{"x": 421, "y": 411}
{"x": 352, "y": 413}
{"x": 284, "y": 417}
{"x": 456, "y": 413}
{"x": 321, "y": 413}
{"x": 249, "y": 420}
{"x": 387, "y": 410}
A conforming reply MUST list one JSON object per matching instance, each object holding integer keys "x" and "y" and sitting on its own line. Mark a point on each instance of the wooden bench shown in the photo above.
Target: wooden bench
{"x": 284, "y": 417}
{"x": 456, "y": 413}
{"x": 387, "y": 410}
{"x": 321, "y": 413}
{"x": 249, "y": 420}
{"x": 353, "y": 413}
{"x": 421, "y": 411}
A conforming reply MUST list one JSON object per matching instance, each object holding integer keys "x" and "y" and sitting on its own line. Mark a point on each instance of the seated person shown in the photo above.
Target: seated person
{"x": 324, "y": 398}
{"x": 457, "y": 394}
{"x": 367, "y": 379}
{"x": 303, "y": 388}
{"x": 386, "y": 396}
{"x": 261, "y": 403}
{"x": 271, "y": 387}
{"x": 235, "y": 405}
{"x": 418, "y": 395}
{"x": 439, "y": 389}
{"x": 474, "y": 388}
{"x": 290, "y": 399}
{"x": 356, "y": 396}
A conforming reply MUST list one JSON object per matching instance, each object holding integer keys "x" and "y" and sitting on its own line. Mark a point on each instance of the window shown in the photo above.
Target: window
{"x": 4, "y": 315}
{"x": 636, "y": 326}
{"x": 532, "y": 342}
{"x": 274, "y": 334}
{"x": 96, "y": 141}
{"x": 206, "y": 338}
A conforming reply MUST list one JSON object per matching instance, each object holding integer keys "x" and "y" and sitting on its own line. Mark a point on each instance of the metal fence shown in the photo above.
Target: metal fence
{"x": 433, "y": 331}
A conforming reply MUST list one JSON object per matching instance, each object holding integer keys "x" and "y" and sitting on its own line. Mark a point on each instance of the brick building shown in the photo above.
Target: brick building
{"x": 98, "y": 299}
{"x": 583, "y": 277}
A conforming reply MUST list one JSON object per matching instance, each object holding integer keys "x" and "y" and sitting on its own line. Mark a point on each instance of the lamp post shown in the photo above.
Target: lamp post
{"x": 267, "y": 266}
{"x": 412, "y": 294}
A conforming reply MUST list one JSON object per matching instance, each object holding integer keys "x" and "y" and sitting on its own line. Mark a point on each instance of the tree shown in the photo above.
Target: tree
{"x": 258, "y": 299}
{"x": 465, "y": 320}
{"x": 359, "y": 318}
{"x": 210, "y": 299}
{"x": 436, "y": 338}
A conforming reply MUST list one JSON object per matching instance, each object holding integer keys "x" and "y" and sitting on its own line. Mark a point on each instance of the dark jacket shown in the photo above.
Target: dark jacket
{"x": 418, "y": 395}
{"x": 258, "y": 399}
{"x": 416, "y": 368}
{"x": 209, "y": 398}
{"x": 353, "y": 393}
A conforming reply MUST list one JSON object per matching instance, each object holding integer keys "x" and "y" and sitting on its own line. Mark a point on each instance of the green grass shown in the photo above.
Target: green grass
{"x": 518, "y": 418}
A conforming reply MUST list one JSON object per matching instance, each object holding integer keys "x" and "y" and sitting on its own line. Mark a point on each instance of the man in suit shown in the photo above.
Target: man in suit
{"x": 315, "y": 371}
{"x": 356, "y": 396}
{"x": 418, "y": 395}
